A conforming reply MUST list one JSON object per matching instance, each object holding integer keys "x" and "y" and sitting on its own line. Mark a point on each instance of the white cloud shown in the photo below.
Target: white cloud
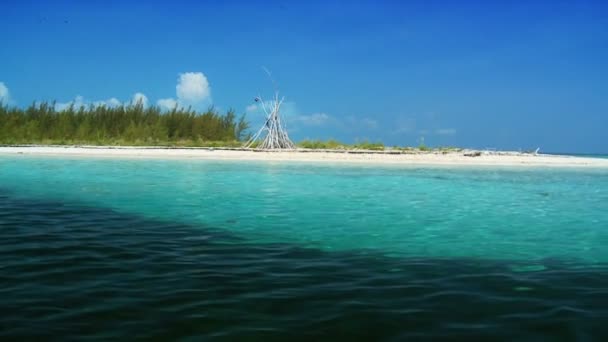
{"x": 252, "y": 108}
{"x": 369, "y": 123}
{"x": 59, "y": 106}
{"x": 192, "y": 87}
{"x": 77, "y": 103}
{"x": 80, "y": 101}
{"x": 349, "y": 123}
{"x": 316, "y": 119}
{"x": 4, "y": 94}
{"x": 167, "y": 104}
{"x": 111, "y": 102}
{"x": 445, "y": 131}
{"x": 289, "y": 110}
{"x": 139, "y": 97}
{"x": 352, "y": 122}
{"x": 404, "y": 125}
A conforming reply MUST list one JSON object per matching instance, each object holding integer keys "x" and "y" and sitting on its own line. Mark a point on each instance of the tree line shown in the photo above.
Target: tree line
{"x": 132, "y": 124}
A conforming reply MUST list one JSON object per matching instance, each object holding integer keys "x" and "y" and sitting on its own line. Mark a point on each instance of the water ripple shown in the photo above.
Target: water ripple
{"x": 73, "y": 272}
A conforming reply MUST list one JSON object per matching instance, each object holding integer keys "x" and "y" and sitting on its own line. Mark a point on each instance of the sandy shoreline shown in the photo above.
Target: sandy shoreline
{"x": 359, "y": 157}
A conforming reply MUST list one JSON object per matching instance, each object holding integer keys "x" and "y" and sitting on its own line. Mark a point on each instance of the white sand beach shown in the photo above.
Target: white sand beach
{"x": 463, "y": 158}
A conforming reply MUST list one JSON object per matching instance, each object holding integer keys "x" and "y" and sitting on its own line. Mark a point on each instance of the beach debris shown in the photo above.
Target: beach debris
{"x": 472, "y": 154}
{"x": 273, "y": 134}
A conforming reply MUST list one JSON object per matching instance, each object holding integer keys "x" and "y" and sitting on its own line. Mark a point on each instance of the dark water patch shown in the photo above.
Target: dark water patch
{"x": 73, "y": 272}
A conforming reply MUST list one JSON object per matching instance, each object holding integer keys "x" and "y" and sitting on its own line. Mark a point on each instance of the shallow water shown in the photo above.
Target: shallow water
{"x": 167, "y": 249}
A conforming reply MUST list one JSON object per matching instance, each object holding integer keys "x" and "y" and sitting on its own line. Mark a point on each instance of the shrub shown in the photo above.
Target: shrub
{"x": 121, "y": 125}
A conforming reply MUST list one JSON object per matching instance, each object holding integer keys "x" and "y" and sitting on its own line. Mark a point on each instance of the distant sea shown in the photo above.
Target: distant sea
{"x": 586, "y": 155}
{"x": 186, "y": 249}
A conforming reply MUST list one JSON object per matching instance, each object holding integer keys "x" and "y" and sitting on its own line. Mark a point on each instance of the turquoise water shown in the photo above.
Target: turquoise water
{"x": 174, "y": 249}
{"x": 506, "y": 214}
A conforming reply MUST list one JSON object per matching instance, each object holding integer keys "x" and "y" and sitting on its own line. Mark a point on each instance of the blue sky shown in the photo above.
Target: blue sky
{"x": 506, "y": 75}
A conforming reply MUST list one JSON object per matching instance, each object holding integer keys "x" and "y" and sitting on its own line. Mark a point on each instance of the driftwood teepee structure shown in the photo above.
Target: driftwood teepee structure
{"x": 272, "y": 135}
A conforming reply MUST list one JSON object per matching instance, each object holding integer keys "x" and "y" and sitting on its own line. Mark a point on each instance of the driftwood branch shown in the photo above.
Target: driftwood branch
{"x": 273, "y": 134}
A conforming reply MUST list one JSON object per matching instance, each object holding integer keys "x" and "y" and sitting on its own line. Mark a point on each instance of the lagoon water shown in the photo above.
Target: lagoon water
{"x": 102, "y": 248}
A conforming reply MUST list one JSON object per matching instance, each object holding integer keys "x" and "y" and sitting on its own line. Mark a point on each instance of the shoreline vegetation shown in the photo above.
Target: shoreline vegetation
{"x": 133, "y": 124}
{"x": 42, "y": 124}
{"x": 136, "y": 131}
